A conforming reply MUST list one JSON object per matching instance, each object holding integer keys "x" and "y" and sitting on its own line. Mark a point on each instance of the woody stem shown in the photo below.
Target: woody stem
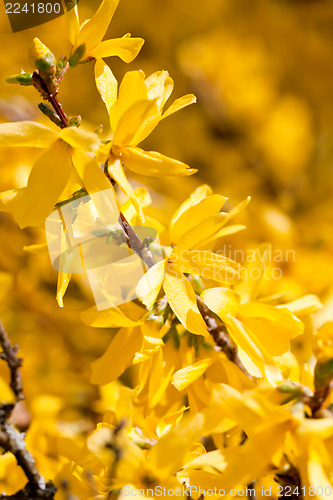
{"x": 11, "y": 439}
{"x": 58, "y": 109}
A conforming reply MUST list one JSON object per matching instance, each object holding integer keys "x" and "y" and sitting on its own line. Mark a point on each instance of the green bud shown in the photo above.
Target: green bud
{"x": 323, "y": 372}
{"x": 41, "y": 57}
{"x": 46, "y": 64}
{"x": 21, "y": 79}
{"x": 197, "y": 284}
{"x": 77, "y": 55}
{"x": 50, "y": 113}
{"x": 294, "y": 391}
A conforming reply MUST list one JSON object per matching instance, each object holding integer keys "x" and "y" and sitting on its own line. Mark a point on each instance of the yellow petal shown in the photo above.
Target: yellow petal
{"x": 168, "y": 455}
{"x": 80, "y": 139}
{"x": 207, "y": 265}
{"x": 222, "y": 302}
{"x": 72, "y": 20}
{"x": 184, "y": 377}
{"x": 182, "y": 300}
{"x": 26, "y": 134}
{"x": 74, "y": 184}
{"x": 242, "y": 339}
{"x": 201, "y": 232}
{"x": 117, "y": 357}
{"x": 199, "y": 194}
{"x": 180, "y": 103}
{"x": 117, "y": 173}
{"x": 127, "y": 48}
{"x": 106, "y": 84}
{"x": 317, "y": 476}
{"x": 245, "y": 463}
{"x": 226, "y": 231}
{"x": 241, "y": 408}
{"x": 92, "y": 176}
{"x": 62, "y": 285}
{"x": 45, "y": 184}
{"x": 255, "y": 270}
{"x": 213, "y": 459}
{"x": 274, "y": 327}
{"x": 93, "y": 31}
{"x": 239, "y": 208}
{"x": 153, "y": 164}
{"x": 108, "y": 318}
{"x": 150, "y": 346}
{"x": 228, "y": 217}
{"x": 254, "y": 350}
{"x": 65, "y": 266}
{"x": 187, "y": 219}
{"x": 303, "y": 306}
{"x": 150, "y": 284}
{"x": 159, "y": 87}
{"x": 127, "y": 208}
{"x": 131, "y": 121}
{"x": 131, "y": 90}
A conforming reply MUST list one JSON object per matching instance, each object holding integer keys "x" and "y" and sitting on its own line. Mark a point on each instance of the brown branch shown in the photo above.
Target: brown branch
{"x": 58, "y": 109}
{"x": 14, "y": 363}
{"x": 221, "y": 336}
{"x": 134, "y": 242}
{"x": 317, "y": 401}
{"x": 12, "y": 440}
{"x": 44, "y": 90}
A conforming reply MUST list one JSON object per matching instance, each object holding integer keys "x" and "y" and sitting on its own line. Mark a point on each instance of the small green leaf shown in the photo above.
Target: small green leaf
{"x": 77, "y": 55}
{"x": 21, "y": 79}
{"x": 50, "y": 113}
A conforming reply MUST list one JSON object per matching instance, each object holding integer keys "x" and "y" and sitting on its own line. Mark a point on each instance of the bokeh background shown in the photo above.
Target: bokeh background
{"x": 263, "y": 126}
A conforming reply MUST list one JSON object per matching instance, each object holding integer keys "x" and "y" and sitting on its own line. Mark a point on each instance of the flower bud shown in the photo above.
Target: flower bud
{"x": 42, "y": 58}
{"x": 50, "y": 113}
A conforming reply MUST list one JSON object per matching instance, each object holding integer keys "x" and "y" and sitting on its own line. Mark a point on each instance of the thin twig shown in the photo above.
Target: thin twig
{"x": 134, "y": 242}
{"x": 14, "y": 363}
{"x": 11, "y": 439}
{"x": 221, "y": 336}
{"x": 53, "y": 100}
{"x": 43, "y": 88}
{"x": 317, "y": 401}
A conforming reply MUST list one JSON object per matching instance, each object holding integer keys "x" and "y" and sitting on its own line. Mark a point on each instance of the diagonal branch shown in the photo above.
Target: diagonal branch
{"x": 12, "y": 440}
{"x": 221, "y": 336}
{"x": 9, "y": 355}
{"x": 134, "y": 242}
